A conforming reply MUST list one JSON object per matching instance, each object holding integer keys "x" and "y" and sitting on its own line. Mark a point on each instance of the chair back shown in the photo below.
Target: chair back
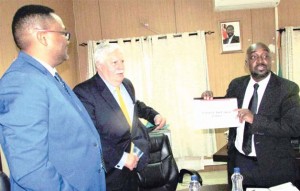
{"x": 161, "y": 173}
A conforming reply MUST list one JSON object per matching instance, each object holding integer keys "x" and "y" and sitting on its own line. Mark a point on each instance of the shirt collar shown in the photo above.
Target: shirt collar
{"x": 109, "y": 86}
{"x": 47, "y": 66}
{"x": 262, "y": 83}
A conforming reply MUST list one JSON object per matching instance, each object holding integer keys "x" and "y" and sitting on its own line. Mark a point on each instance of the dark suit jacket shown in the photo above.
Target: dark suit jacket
{"x": 277, "y": 120}
{"x": 235, "y": 39}
{"x": 113, "y": 127}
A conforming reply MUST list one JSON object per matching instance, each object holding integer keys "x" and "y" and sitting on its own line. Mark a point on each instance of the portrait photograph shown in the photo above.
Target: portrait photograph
{"x": 230, "y": 36}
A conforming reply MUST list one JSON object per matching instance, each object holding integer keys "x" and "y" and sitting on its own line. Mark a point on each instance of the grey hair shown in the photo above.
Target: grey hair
{"x": 102, "y": 50}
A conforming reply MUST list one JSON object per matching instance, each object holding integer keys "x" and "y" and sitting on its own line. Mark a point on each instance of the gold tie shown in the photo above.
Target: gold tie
{"x": 123, "y": 106}
{"x": 125, "y": 112}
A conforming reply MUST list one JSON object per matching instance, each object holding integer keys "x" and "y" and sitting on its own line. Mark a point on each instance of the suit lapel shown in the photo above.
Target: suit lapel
{"x": 271, "y": 91}
{"x": 242, "y": 90}
{"x": 72, "y": 98}
{"x": 129, "y": 89}
{"x": 135, "y": 122}
{"x": 109, "y": 99}
{"x": 76, "y": 103}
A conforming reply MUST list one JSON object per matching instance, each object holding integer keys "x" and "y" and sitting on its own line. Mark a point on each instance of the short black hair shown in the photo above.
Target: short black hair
{"x": 255, "y": 46}
{"x": 21, "y": 18}
{"x": 230, "y": 26}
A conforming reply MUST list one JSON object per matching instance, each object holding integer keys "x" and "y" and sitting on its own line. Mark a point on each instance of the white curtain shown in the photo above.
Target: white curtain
{"x": 91, "y": 70}
{"x": 168, "y": 72}
{"x": 290, "y": 50}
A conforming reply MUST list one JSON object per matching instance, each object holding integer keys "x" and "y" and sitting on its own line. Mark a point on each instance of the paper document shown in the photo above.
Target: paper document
{"x": 282, "y": 187}
{"x": 216, "y": 113}
{"x": 286, "y": 187}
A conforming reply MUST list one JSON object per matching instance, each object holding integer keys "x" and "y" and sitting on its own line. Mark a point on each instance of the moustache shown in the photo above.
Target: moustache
{"x": 261, "y": 64}
{"x": 119, "y": 71}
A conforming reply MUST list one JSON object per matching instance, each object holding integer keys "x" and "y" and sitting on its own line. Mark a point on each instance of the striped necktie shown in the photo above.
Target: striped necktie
{"x": 59, "y": 79}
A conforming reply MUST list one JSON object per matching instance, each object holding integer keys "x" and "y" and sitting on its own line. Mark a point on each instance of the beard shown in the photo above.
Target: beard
{"x": 260, "y": 74}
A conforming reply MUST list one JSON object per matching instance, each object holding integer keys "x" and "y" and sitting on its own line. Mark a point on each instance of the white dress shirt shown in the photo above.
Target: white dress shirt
{"x": 130, "y": 108}
{"x": 248, "y": 94}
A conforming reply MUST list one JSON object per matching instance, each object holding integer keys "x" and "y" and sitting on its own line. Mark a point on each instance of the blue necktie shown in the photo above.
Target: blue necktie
{"x": 247, "y": 141}
{"x": 59, "y": 79}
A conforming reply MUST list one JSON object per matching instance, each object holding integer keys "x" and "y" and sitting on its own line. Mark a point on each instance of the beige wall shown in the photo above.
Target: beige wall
{"x": 110, "y": 19}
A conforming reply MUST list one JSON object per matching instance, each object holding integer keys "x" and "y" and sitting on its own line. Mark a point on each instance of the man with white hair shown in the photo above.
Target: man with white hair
{"x": 110, "y": 100}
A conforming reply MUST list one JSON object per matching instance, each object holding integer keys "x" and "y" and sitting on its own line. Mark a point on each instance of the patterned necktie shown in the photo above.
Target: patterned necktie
{"x": 59, "y": 79}
{"x": 123, "y": 106}
{"x": 247, "y": 141}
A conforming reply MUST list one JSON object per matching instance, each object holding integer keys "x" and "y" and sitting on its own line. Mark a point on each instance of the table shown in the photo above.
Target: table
{"x": 217, "y": 187}
{"x": 221, "y": 155}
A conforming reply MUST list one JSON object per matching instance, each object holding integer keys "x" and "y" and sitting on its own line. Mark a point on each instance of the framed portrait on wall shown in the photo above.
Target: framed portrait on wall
{"x": 231, "y": 39}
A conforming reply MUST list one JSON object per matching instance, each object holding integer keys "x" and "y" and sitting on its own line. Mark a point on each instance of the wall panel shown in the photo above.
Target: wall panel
{"x": 159, "y": 15}
{"x": 88, "y": 27}
{"x": 122, "y": 19}
{"x": 288, "y": 13}
{"x": 193, "y": 15}
{"x": 264, "y": 30}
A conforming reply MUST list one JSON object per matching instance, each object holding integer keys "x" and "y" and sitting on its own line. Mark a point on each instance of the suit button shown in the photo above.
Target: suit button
{"x": 95, "y": 145}
{"x": 99, "y": 170}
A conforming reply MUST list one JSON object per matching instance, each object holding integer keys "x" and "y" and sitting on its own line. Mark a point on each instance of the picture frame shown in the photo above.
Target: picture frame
{"x": 230, "y": 36}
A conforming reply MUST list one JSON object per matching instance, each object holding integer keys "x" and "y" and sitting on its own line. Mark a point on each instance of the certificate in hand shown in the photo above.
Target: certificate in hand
{"x": 216, "y": 113}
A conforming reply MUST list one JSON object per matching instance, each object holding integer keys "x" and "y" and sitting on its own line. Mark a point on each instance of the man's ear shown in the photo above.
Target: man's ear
{"x": 41, "y": 37}
{"x": 246, "y": 66}
{"x": 98, "y": 66}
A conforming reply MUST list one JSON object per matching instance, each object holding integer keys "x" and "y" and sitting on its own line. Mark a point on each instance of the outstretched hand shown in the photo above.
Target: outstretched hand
{"x": 159, "y": 121}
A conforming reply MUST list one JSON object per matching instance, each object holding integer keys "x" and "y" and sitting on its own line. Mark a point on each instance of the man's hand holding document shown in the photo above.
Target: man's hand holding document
{"x": 216, "y": 113}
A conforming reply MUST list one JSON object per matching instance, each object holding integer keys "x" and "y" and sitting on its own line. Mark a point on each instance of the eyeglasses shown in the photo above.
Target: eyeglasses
{"x": 65, "y": 33}
{"x": 255, "y": 57}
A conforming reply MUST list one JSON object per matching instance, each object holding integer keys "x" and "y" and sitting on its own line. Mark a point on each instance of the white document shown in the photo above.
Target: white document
{"x": 286, "y": 187}
{"x": 282, "y": 187}
{"x": 216, "y": 113}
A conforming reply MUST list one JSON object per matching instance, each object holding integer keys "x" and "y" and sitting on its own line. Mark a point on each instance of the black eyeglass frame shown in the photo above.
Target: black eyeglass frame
{"x": 65, "y": 33}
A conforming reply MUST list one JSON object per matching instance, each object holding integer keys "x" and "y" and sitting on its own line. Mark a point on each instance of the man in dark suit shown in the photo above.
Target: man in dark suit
{"x": 48, "y": 137}
{"x": 276, "y": 119}
{"x": 231, "y": 37}
{"x": 124, "y": 138}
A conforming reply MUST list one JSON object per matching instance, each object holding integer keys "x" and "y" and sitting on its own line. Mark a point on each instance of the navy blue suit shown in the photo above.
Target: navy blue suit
{"x": 113, "y": 127}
